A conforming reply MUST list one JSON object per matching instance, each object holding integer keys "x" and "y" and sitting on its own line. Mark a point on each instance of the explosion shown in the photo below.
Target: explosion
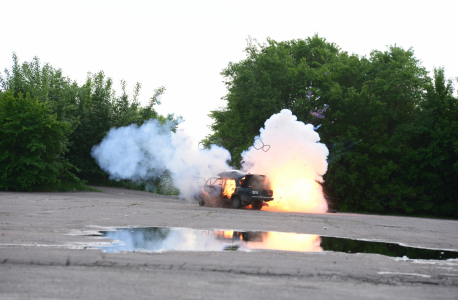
{"x": 294, "y": 164}
{"x": 287, "y": 151}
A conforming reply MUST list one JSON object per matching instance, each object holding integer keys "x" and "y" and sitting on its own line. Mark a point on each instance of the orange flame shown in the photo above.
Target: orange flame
{"x": 294, "y": 192}
{"x": 229, "y": 188}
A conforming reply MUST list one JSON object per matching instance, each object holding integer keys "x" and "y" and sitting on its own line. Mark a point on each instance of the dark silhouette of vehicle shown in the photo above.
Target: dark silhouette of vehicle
{"x": 237, "y": 189}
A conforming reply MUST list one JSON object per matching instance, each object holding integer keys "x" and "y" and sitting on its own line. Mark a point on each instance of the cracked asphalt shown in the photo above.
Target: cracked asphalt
{"x": 46, "y": 252}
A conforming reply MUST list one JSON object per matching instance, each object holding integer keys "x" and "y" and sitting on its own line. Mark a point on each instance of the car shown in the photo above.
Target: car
{"x": 237, "y": 189}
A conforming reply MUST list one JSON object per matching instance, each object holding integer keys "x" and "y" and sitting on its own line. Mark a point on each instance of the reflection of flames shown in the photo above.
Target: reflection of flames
{"x": 229, "y": 188}
{"x": 226, "y": 235}
{"x": 288, "y": 242}
{"x": 275, "y": 240}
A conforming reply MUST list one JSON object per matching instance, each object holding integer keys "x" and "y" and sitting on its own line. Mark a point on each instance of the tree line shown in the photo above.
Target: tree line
{"x": 391, "y": 129}
{"x": 49, "y": 123}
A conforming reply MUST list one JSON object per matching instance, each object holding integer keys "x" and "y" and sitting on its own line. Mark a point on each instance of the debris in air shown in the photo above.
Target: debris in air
{"x": 259, "y": 145}
{"x": 318, "y": 113}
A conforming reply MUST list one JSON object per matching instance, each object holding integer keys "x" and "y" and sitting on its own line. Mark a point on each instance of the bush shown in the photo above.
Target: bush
{"x": 32, "y": 144}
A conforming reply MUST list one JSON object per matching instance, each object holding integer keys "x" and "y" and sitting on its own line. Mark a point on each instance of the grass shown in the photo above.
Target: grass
{"x": 125, "y": 184}
{"x": 138, "y": 186}
{"x": 65, "y": 186}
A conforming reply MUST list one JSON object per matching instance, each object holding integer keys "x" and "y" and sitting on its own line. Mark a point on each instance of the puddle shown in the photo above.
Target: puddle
{"x": 160, "y": 239}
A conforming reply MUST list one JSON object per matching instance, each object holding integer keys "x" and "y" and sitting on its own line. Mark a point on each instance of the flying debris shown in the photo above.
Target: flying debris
{"x": 309, "y": 94}
{"x": 318, "y": 113}
{"x": 259, "y": 145}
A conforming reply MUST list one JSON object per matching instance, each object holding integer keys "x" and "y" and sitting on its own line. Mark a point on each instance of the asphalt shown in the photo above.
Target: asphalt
{"x": 46, "y": 252}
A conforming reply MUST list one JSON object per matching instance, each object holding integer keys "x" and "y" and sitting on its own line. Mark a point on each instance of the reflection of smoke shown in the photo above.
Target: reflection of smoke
{"x": 141, "y": 153}
{"x": 294, "y": 162}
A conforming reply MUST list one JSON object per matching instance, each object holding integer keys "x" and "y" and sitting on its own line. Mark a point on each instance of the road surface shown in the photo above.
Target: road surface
{"x": 46, "y": 252}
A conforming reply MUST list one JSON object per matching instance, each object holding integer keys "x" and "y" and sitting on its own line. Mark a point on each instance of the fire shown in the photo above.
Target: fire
{"x": 294, "y": 192}
{"x": 229, "y": 188}
{"x": 300, "y": 195}
{"x": 295, "y": 160}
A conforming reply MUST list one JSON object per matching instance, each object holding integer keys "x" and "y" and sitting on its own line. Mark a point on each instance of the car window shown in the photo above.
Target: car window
{"x": 254, "y": 181}
{"x": 217, "y": 182}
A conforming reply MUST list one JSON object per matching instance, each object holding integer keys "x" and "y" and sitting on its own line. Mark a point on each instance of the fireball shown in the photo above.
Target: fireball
{"x": 294, "y": 164}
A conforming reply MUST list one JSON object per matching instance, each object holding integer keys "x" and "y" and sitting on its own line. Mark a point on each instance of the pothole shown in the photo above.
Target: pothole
{"x": 161, "y": 239}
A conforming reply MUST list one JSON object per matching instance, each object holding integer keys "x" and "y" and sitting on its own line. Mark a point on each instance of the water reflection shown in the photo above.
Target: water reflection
{"x": 159, "y": 239}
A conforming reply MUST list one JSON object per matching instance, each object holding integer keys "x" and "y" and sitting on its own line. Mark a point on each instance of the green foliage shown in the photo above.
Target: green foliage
{"x": 85, "y": 113}
{"x": 44, "y": 83}
{"x": 274, "y": 76}
{"x": 391, "y": 130}
{"x": 162, "y": 185}
{"x": 32, "y": 143}
{"x": 409, "y": 165}
{"x": 66, "y": 186}
{"x": 98, "y": 109}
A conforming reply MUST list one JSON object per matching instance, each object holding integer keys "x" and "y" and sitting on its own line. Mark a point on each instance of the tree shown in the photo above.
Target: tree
{"x": 98, "y": 109}
{"x": 32, "y": 144}
{"x": 90, "y": 109}
{"x": 392, "y": 89}
{"x": 297, "y": 75}
{"x": 44, "y": 83}
{"x": 428, "y": 147}
{"x": 391, "y": 131}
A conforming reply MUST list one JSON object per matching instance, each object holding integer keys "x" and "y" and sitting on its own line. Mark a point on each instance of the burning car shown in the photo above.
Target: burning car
{"x": 237, "y": 189}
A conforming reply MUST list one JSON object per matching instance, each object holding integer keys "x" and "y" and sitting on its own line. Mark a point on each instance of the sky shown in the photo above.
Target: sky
{"x": 184, "y": 45}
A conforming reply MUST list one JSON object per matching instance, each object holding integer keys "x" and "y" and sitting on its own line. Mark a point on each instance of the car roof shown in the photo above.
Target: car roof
{"x": 233, "y": 174}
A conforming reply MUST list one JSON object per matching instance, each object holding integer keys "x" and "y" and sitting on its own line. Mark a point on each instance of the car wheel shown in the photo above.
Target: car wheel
{"x": 236, "y": 202}
{"x": 256, "y": 205}
{"x": 201, "y": 202}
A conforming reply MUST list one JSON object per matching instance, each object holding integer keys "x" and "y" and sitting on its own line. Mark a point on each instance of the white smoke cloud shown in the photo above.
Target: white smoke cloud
{"x": 142, "y": 153}
{"x": 294, "y": 161}
{"x": 291, "y": 157}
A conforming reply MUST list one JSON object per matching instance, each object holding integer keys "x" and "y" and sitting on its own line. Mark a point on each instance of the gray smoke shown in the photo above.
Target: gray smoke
{"x": 145, "y": 152}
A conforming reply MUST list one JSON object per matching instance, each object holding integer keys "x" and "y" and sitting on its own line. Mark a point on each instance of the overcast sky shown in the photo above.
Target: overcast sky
{"x": 184, "y": 45}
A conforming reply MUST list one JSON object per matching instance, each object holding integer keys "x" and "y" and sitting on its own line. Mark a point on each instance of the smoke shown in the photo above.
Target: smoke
{"x": 287, "y": 151}
{"x": 145, "y": 152}
{"x": 294, "y": 163}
